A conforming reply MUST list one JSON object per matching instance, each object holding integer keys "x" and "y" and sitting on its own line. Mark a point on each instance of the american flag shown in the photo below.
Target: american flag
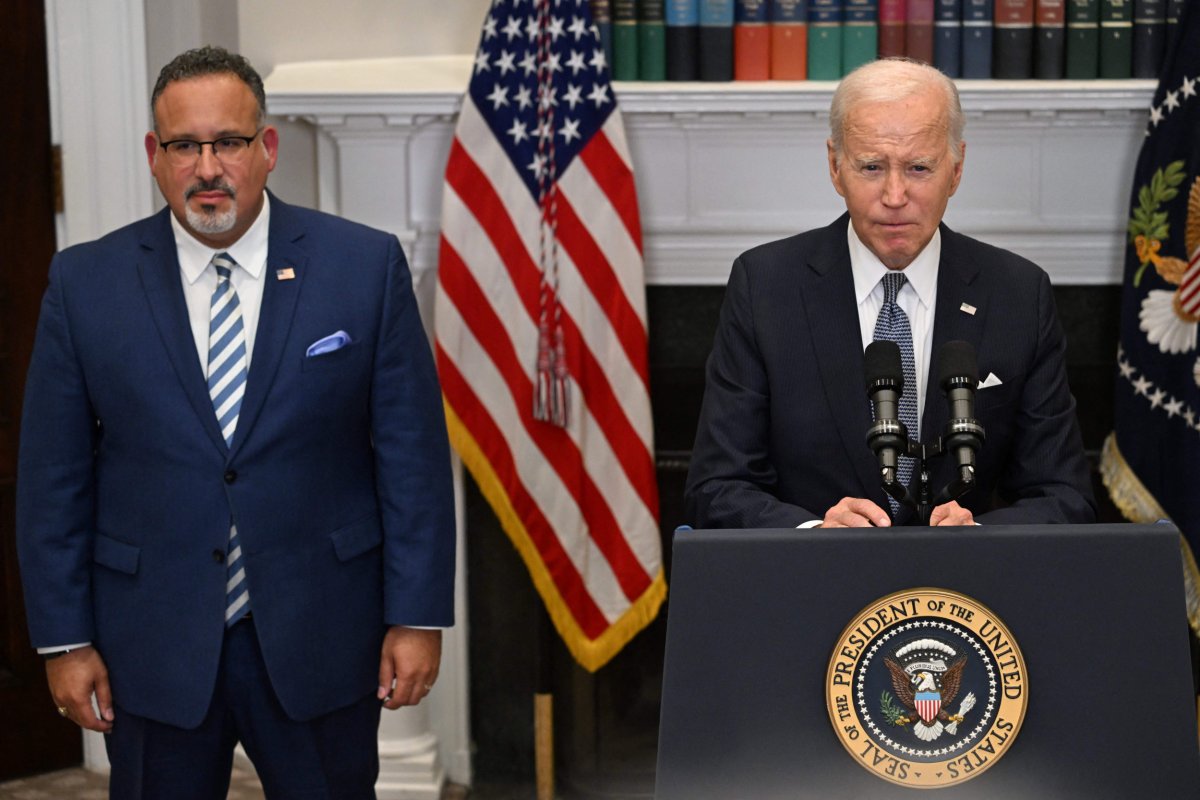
{"x": 541, "y": 322}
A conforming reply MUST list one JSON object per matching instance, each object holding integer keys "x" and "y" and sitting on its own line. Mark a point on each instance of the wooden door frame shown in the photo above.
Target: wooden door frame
{"x": 91, "y": 57}
{"x": 40, "y": 740}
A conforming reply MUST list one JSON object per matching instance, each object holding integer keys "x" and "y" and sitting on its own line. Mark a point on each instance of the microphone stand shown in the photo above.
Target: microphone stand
{"x": 922, "y": 454}
{"x": 889, "y": 438}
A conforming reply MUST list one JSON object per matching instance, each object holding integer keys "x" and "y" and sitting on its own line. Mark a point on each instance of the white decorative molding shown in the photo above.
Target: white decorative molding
{"x": 449, "y": 703}
{"x": 99, "y": 113}
{"x": 96, "y": 65}
{"x": 409, "y": 766}
{"x": 724, "y": 167}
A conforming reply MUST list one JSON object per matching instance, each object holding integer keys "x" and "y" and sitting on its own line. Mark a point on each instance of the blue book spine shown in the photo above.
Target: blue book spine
{"x": 860, "y": 34}
{"x": 716, "y": 40}
{"x": 683, "y": 40}
{"x": 947, "y": 37}
{"x": 977, "y": 39}
{"x": 716, "y": 13}
{"x": 789, "y": 11}
{"x": 683, "y": 13}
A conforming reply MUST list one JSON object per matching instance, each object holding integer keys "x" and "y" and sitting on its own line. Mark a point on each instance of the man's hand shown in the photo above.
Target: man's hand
{"x": 951, "y": 514}
{"x": 408, "y": 665}
{"x": 74, "y": 678}
{"x": 856, "y": 512}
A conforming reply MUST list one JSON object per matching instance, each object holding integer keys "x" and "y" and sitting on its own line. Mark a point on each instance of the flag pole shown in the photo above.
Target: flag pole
{"x": 543, "y": 711}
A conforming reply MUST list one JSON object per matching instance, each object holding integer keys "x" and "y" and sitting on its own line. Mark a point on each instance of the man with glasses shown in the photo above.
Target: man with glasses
{"x": 235, "y": 520}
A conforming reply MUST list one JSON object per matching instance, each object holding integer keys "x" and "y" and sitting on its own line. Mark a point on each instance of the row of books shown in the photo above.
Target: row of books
{"x": 722, "y": 40}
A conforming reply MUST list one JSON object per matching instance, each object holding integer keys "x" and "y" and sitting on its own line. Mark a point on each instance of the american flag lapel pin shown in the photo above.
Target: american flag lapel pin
{"x": 967, "y": 308}
{"x": 285, "y": 274}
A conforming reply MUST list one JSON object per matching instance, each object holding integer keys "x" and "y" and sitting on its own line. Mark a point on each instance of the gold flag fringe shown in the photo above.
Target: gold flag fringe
{"x": 1136, "y": 502}
{"x": 591, "y": 654}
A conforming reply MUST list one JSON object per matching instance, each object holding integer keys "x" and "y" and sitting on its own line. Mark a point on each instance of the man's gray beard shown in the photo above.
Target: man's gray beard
{"x": 212, "y": 221}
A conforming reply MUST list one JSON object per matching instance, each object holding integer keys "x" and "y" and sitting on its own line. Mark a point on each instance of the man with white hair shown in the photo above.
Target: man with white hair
{"x": 781, "y": 441}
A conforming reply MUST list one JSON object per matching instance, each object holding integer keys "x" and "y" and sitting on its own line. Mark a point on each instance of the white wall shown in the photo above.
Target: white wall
{"x": 277, "y": 31}
{"x": 270, "y": 32}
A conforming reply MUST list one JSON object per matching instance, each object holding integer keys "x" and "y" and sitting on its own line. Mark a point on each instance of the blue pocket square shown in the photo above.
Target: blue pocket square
{"x": 327, "y": 344}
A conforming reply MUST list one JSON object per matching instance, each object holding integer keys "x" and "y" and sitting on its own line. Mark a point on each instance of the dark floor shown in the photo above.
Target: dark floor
{"x": 80, "y": 784}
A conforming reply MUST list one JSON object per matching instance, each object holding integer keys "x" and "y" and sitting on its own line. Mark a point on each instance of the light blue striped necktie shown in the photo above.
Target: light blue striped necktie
{"x": 892, "y": 326}
{"x": 226, "y": 386}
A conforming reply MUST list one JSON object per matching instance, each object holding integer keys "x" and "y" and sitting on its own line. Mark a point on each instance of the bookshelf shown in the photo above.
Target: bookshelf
{"x": 722, "y": 167}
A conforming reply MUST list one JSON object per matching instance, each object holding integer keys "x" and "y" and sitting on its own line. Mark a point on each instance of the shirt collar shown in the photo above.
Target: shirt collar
{"x": 250, "y": 251}
{"x": 868, "y": 270}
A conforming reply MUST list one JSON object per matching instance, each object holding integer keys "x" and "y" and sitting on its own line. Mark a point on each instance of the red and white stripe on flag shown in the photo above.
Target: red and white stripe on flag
{"x": 928, "y": 705}
{"x": 1189, "y": 286}
{"x": 540, "y": 225}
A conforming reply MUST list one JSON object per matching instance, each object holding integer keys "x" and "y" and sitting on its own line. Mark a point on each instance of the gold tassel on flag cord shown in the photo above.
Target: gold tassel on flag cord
{"x": 550, "y": 396}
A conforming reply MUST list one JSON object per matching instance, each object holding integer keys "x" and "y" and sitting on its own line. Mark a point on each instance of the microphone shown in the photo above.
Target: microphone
{"x": 958, "y": 375}
{"x": 887, "y": 437}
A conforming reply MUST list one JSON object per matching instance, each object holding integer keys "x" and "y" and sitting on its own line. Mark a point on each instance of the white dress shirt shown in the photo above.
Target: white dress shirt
{"x": 200, "y": 280}
{"x": 917, "y": 298}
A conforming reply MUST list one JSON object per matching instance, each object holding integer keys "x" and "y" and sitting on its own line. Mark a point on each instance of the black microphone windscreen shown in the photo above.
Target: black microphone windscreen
{"x": 957, "y": 360}
{"x": 881, "y": 361}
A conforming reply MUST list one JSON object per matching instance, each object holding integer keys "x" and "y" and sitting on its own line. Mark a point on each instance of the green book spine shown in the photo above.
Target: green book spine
{"x": 625, "y": 40}
{"x": 1116, "y": 38}
{"x": 860, "y": 34}
{"x": 652, "y": 41}
{"x": 825, "y": 40}
{"x": 1083, "y": 39}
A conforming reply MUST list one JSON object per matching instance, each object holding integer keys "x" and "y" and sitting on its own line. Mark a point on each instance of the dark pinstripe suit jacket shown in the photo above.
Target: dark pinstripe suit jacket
{"x": 785, "y": 413}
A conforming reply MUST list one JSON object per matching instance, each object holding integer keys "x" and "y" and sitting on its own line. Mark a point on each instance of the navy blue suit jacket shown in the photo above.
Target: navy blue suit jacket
{"x": 782, "y": 433}
{"x": 338, "y": 476}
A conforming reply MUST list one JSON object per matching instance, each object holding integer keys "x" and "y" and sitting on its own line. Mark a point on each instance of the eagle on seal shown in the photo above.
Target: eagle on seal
{"x": 927, "y": 698}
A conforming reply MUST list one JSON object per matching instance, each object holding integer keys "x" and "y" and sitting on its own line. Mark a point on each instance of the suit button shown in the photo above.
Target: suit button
{"x": 219, "y": 556}
{"x": 230, "y": 476}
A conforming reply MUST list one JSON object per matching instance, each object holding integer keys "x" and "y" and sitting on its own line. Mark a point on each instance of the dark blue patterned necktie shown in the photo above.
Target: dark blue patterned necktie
{"x": 892, "y": 326}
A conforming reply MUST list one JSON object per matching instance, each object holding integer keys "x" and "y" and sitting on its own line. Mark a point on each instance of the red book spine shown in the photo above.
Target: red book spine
{"x": 789, "y": 51}
{"x": 892, "y": 15}
{"x": 751, "y": 41}
{"x": 751, "y": 53}
{"x": 918, "y": 40}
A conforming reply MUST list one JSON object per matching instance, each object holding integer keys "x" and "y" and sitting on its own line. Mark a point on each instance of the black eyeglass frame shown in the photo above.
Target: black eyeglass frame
{"x": 166, "y": 146}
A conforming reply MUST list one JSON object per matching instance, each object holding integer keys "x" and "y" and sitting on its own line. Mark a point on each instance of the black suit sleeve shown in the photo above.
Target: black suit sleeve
{"x": 732, "y": 481}
{"x": 1045, "y": 476}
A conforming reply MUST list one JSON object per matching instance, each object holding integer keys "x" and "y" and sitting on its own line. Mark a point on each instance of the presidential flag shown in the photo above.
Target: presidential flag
{"x": 540, "y": 322}
{"x": 1151, "y": 462}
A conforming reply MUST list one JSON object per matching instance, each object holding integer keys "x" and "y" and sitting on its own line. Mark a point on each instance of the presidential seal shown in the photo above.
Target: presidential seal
{"x": 926, "y": 688}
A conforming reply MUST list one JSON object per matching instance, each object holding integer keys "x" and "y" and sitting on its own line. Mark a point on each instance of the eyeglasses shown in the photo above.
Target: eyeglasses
{"x": 228, "y": 149}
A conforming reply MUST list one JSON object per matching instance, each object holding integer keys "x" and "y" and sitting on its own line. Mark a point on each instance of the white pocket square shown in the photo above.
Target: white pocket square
{"x": 327, "y": 344}
{"x": 989, "y": 381}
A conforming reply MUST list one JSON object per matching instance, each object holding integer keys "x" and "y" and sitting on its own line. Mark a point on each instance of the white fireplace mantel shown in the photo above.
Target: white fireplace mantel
{"x": 723, "y": 167}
